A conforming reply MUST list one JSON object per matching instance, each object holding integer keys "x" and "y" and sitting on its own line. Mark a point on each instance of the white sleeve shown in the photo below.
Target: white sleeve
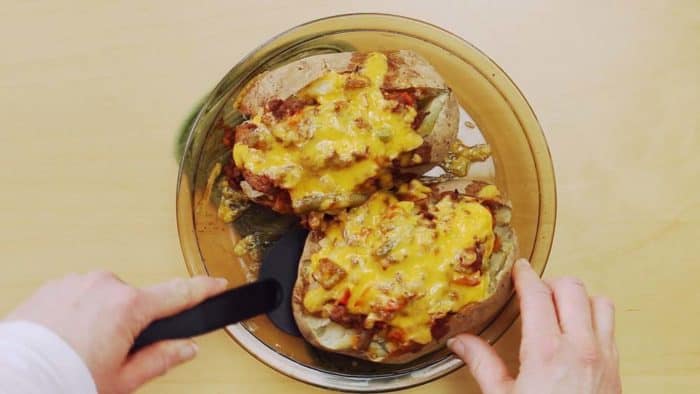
{"x": 34, "y": 360}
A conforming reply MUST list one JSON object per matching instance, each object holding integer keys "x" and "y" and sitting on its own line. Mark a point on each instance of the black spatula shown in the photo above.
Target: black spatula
{"x": 271, "y": 294}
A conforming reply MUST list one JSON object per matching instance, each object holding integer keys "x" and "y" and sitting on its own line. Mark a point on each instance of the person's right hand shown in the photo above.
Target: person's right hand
{"x": 100, "y": 316}
{"x": 568, "y": 343}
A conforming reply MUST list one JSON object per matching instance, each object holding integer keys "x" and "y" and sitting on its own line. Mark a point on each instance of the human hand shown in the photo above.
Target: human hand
{"x": 100, "y": 316}
{"x": 568, "y": 343}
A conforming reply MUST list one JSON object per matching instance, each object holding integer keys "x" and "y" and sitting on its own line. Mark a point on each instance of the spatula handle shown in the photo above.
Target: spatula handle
{"x": 217, "y": 312}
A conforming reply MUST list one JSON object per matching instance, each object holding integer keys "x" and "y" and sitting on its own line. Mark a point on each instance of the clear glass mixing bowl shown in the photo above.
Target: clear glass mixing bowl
{"x": 521, "y": 166}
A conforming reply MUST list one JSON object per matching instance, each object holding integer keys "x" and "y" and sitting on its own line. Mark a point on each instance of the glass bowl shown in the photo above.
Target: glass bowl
{"x": 492, "y": 109}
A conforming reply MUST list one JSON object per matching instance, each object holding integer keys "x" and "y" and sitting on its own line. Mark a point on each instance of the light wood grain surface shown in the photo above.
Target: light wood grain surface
{"x": 92, "y": 93}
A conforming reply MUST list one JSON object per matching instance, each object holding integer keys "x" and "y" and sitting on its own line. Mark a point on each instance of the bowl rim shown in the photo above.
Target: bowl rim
{"x": 450, "y": 363}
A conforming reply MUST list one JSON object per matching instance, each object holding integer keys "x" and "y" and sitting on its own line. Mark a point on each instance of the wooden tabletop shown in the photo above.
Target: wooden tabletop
{"x": 92, "y": 93}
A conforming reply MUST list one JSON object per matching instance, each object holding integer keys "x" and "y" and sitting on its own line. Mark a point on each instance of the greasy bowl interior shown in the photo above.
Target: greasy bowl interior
{"x": 521, "y": 164}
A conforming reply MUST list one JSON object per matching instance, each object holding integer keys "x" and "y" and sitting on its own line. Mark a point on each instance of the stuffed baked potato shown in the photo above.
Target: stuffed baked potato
{"x": 394, "y": 278}
{"x": 325, "y": 132}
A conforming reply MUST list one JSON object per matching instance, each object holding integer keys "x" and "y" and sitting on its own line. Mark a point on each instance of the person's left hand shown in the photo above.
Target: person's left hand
{"x": 100, "y": 316}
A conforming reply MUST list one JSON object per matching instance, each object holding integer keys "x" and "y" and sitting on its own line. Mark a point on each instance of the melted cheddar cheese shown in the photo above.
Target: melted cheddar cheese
{"x": 323, "y": 153}
{"x": 398, "y": 258}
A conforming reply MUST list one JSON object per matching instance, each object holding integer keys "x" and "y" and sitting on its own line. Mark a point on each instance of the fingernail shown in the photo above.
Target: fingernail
{"x": 456, "y": 346}
{"x": 522, "y": 263}
{"x": 188, "y": 351}
{"x": 223, "y": 282}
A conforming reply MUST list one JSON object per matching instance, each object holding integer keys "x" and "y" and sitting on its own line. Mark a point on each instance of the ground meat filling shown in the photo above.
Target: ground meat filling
{"x": 282, "y": 203}
{"x": 292, "y": 105}
{"x": 404, "y": 98}
{"x": 340, "y": 314}
{"x": 233, "y": 175}
{"x": 273, "y": 196}
{"x": 260, "y": 183}
{"x": 228, "y": 138}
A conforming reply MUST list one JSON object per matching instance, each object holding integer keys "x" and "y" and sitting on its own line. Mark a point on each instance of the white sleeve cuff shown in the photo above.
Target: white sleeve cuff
{"x": 33, "y": 359}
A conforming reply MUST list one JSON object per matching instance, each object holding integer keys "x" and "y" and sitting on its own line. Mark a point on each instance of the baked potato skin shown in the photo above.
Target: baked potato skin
{"x": 289, "y": 79}
{"x": 444, "y": 132}
{"x": 472, "y": 318}
{"x": 407, "y": 70}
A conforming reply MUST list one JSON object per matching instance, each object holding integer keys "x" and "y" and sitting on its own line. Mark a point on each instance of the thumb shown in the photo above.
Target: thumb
{"x": 155, "y": 360}
{"x": 486, "y": 366}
